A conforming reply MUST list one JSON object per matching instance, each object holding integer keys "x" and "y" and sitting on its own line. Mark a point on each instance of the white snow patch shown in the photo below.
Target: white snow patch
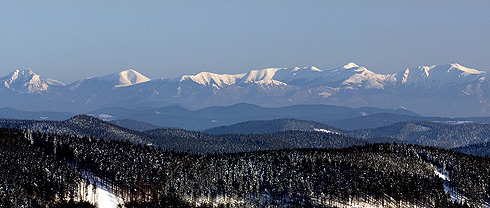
{"x": 325, "y": 94}
{"x": 325, "y": 131}
{"x": 366, "y": 78}
{"x": 103, "y": 198}
{"x": 54, "y": 82}
{"x": 264, "y": 76}
{"x": 455, "y": 196}
{"x": 350, "y": 65}
{"x": 208, "y": 78}
{"x": 454, "y": 122}
{"x": 444, "y": 177}
{"x": 106, "y": 117}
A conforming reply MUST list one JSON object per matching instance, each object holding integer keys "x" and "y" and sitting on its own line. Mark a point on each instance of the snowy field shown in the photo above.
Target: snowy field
{"x": 103, "y": 198}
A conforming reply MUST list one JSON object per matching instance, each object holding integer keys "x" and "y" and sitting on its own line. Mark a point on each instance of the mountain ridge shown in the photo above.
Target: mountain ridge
{"x": 448, "y": 90}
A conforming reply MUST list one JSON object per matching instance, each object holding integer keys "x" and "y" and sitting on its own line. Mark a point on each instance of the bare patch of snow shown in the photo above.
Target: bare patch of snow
{"x": 453, "y": 193}
{"x": 103, "y": 198}
{"x": 325, "y": 94}
{"x": 325, "y": 131}
{"x": 106, "y": 117}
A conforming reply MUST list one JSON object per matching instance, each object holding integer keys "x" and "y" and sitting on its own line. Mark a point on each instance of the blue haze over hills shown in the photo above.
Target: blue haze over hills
{"x": 449, "y": 90}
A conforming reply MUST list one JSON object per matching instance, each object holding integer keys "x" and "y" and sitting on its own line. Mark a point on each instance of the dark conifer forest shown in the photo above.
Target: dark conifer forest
{"x": 31, "y": 177}
{"x": 50, "y": 170}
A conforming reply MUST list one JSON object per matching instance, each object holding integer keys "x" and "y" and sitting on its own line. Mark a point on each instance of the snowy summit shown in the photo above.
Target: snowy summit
{"x": 127, "y": 78}
{"x": 26, "y": 81}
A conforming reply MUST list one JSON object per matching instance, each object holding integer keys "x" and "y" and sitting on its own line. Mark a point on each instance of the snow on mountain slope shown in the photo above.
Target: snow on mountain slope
{"x": 349, "y": 76}
{"x": 447, "y": 90}
{"x": 26, "y": 81}
{"x": 362, "y": 77}
{"x": 298, "y": 76}
{"x": 441, "y": 74}
{"x": 123, "y": 78}
{"x": 128, "y": 77}
{"x": 53, "y": 82}
{"x": 119, "y": 79}
{"x": 208, "y": 78}
{"x": 264, "y": 76}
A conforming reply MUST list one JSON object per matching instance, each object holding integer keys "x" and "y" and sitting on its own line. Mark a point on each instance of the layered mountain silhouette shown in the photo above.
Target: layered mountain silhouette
{"x": 439, "y": 90}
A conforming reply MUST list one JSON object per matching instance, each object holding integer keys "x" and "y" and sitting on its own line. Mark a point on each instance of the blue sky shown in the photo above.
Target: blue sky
{"x": 71, "y": 40}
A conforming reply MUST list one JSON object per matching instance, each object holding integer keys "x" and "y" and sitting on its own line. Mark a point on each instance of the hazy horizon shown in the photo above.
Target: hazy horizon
{"x": 68, "y": 41}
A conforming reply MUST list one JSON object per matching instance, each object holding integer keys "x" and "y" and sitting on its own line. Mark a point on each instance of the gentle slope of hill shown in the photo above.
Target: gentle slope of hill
{"x": 272, "y": 126}
{"x": 80, "y": 125}
{"x": 430, "y": 133}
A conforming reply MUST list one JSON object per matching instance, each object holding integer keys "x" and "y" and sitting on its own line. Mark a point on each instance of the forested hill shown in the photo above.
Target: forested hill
{"x": 198, "y": 142}
{"x": 81, "y": 125}
{"x": 430, "y": 133}
{"x": 271, "y": 126}
{"x": 184, "y": 140}
{"x": 482, "y": 149}
{"x": 134, "y": 125}
{"x": 370, "y": 175}
{"x": 31, "y": 178}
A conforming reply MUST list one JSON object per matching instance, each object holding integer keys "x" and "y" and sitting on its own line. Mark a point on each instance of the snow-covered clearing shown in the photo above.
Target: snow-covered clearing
{"x": 453, "y": 192}
{"x": 103, "y": 198}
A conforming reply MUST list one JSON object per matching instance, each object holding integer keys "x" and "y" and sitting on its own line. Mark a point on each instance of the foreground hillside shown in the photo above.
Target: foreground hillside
{"x": 370, "y": 175}
{"x": 31, "y": 178}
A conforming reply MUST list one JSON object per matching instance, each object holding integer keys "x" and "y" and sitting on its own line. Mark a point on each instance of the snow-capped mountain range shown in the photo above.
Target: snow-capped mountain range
{"x": 438, "y": 90}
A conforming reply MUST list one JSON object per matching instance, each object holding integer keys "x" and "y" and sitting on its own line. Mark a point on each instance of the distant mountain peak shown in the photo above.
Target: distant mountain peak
{"x": 24, "y": 81}
{"x": 115, "y": 80}
{"x": 350, "y": 65}
{"x": 313, "y": 68}
{"x": 264, "y": 76}
{"x": 129, "y": 77}
{"x": 208, "y": 78}
{"x": 446, "y": 73}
